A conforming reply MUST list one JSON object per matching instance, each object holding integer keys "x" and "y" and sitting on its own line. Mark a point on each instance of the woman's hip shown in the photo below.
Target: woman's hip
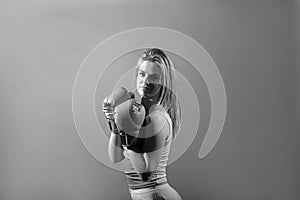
{"x": 160, "y": 192}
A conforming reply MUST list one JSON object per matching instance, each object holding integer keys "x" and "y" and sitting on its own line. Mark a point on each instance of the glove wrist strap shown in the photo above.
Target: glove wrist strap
{"x": 113, "y": 127}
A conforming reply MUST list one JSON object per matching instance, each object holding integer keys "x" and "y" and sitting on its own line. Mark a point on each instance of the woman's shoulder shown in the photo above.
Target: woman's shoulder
{"x": 158, "y": 114}
{"x": 159, "y": 111}
{"x": 156, "y": 108}
{"x": 157, "y": 122}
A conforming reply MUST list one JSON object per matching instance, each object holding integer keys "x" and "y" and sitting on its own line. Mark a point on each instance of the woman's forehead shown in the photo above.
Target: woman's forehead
{"x": 150, "y": 67}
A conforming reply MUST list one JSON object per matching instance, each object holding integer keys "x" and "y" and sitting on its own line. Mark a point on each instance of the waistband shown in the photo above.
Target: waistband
{"x": 148, "y": 187}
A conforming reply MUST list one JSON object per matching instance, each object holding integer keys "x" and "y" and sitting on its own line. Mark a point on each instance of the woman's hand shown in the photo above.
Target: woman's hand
{"x": 129, "y": 154}
{"x": 108, "y": 109}
{"x": 139, "y": 164}
{"x": 136, "y": 159}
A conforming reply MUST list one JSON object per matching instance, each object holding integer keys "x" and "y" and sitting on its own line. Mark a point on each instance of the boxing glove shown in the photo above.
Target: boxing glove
{"x": 117, "y": 97}
{"x": 114, "y": 99}
{"x": 129, "y": 116}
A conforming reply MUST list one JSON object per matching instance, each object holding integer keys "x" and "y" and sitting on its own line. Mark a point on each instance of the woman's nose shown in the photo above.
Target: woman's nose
{"x": 146, "y": 80}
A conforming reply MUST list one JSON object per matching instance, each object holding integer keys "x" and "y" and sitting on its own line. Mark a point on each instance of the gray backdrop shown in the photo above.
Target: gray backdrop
{"x": 255, "y": 44}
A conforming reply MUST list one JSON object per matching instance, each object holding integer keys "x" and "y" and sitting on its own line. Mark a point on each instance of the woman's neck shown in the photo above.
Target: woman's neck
{"x": 148, "y": 102}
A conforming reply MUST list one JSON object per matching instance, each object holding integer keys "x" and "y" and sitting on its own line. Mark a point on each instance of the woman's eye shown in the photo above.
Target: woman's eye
{"x": 155, "y": 78}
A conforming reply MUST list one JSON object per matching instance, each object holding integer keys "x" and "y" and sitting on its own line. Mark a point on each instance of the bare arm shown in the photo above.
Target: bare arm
{"x": 115, "y": 149}
{"x": 146, "y": 163}
{"x": 153, "y": 154}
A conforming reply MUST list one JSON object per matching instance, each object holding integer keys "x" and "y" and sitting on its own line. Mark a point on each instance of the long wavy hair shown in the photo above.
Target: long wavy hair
{"x": 168, "y": 96}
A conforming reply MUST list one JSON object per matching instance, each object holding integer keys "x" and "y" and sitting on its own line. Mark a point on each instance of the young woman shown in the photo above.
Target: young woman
{"x": 148, "y": 152}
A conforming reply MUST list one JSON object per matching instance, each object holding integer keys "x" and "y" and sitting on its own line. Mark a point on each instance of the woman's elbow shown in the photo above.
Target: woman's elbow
{"x": 115, "y": 159}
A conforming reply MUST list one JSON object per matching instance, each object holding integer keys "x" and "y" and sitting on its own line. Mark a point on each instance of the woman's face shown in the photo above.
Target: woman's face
{"x": 148, "y": 81}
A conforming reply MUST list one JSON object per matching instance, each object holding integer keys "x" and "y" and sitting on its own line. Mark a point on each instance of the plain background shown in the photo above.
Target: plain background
{"x": 255, "y": 44}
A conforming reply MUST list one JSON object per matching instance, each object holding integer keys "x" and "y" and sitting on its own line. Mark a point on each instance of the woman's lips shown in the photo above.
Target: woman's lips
{"x": 148, "y": 88}
{"x": 145, "y": 88}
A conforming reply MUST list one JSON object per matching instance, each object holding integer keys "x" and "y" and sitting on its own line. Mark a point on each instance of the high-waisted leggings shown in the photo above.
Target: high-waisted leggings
{"x": 160, "y": 192}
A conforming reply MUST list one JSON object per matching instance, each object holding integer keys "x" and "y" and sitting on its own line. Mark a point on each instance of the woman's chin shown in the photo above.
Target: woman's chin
{"x": 141, "y": 92}
{"x": 144, "y": 94}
